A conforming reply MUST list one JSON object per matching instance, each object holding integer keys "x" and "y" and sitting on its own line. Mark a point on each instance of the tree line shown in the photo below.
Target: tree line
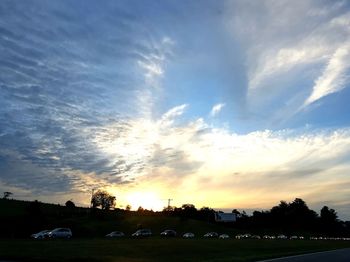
{"x": 285, "y": 217}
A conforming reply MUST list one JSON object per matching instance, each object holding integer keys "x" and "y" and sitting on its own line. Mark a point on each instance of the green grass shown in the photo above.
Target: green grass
{"x": 157, "y": 249}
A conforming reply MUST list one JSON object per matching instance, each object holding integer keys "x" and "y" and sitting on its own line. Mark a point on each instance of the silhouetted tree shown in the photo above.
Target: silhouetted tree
{"x": 34, "y": 208}
{"x": 35, "y": 216}
{"x": 189, "y": 210}
{"x": 328, "y": 215}
{"x": 206, "y": 214}
{"x": 168, "y": 209}
{"x": 128, "y": 208}
{"x": 7, "y": 195}
{"x": 70, "y": 204}
{"x": 244, "y": 214}
{"x": 103, "y": 199}
{"x": 330, "y": 223}
{"x": 237, "y": 213}
{"x": 188, "y": 207}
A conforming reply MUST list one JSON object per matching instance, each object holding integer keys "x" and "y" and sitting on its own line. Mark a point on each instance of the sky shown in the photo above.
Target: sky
{"x": 224, "y": 104}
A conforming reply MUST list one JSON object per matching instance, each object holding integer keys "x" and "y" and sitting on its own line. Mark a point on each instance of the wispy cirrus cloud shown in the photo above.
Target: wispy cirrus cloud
{"x": 312, "y": 48}
{"x": 169, "y": 117}
{"x": 334, "y": 77}
{"x": 153, "y": 63}
{"x": 62, "y": 83}
{"x": 216, "y": 109}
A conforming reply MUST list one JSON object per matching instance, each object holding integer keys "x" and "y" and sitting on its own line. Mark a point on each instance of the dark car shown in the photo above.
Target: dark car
{"x": 115, "y": 234}
{"x": 41, "y": 235}
{"x": 60, "y": 233}
{"x": 168, "y": 233}
{"x": 142, "y": 233}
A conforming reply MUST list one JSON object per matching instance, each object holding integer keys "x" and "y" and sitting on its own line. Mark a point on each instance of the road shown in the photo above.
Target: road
{"x": 340, "y": 255}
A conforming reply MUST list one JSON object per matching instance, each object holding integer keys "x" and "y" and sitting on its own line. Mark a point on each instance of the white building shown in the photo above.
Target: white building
{"x": 225, "y": 217}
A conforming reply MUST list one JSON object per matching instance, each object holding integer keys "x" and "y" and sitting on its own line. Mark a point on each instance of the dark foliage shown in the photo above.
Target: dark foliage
{"x": 287, "y": 218}
{"x": 7, "y": 195}
{"x": 24, "y": 218}
{"x": 70, "y": 204}
{"x": 103, "y": 199}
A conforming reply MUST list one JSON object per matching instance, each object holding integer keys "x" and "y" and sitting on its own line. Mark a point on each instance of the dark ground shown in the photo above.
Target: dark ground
{"x": 157, "y": 249}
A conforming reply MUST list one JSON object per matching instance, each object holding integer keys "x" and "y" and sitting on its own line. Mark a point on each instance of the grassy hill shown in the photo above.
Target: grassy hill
{"x": 22, "y": 218}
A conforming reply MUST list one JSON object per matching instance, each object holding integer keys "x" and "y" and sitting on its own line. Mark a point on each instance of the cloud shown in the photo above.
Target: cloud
{"x": 64, "y": 80}
{"x": 153, "y": 63}
{"x": 81, "y": 99}
{"x": 283, "y": 54}
{"x": 172, "y": 157}
{"x": 206, "y": 161}
{"x": 216, "y": 109}
{"x": 334, "y": 77}
{"x": 169, "y": 117}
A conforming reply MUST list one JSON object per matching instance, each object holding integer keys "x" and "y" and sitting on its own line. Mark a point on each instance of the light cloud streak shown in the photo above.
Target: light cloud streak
{"x": 216, "y": 109}
{"x": 334, "y": 77}
{"x": 312, "y": 47}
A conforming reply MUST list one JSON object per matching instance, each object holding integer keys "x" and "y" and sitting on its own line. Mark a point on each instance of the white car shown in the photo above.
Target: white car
{"x": 188, "y": 235}
{"x": 282, "y": 237}
{"x": 115, "y": 234}
{"x": 211, "y": 235}
{"x": 224, "y": 236}
{"x": 60, "y": 233}
{"x": 41, "y": 235}
{"x": 244, "y": 236}
{"x": 269, "y": 237}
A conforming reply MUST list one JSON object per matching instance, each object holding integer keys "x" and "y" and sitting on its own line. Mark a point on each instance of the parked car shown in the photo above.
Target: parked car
{"x": 41, "y": 235}
{"x": 224, "y": 236}
{"x": 168, "y": 233}
{"x": 115, "y": 234}
{"x": 282, "y": 237}
{"x": 269, "y": 237}
{"x": 60, "y": 233}
{"x": 211, "y": 235}
{"x": 243, "y": 236}
{"x": 188, "y": 235}
{"x": 142, "y": 233}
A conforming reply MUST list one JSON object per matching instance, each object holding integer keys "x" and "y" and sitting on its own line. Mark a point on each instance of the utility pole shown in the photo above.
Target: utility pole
{"x": 169, "y": 201}
{"x": 92, "y": 195}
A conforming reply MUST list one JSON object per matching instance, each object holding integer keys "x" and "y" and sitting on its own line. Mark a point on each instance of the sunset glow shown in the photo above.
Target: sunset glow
{"x": 146, "y": 200}
{"x": 221, "y": 104}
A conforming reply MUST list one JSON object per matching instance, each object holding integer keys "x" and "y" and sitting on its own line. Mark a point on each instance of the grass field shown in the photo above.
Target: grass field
{"x": 157, "y": 249}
